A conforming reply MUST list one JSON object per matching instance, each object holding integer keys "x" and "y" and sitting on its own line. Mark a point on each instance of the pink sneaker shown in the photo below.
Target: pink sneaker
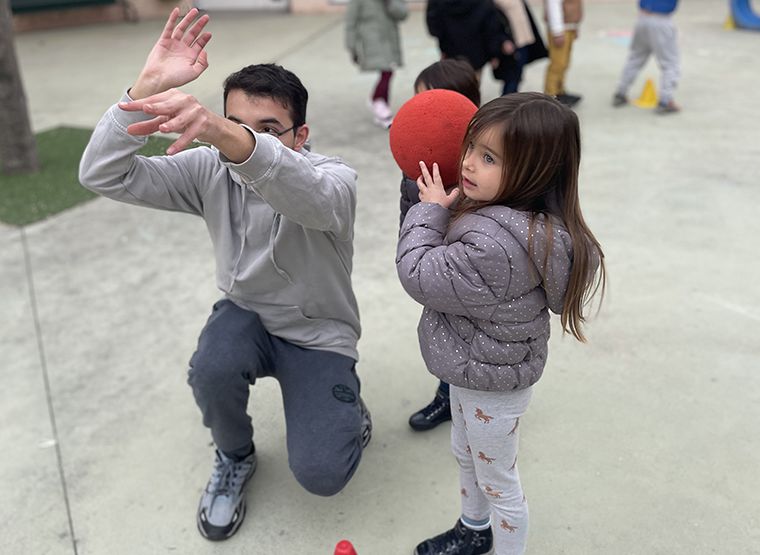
{"x": 382, "y": 113}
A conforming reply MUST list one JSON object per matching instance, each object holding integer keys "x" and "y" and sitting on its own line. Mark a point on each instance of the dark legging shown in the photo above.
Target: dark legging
{"x": 382, "y": 89}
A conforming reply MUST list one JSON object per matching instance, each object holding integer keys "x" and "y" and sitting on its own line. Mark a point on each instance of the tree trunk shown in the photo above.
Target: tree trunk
{"x": 18, "y": 152}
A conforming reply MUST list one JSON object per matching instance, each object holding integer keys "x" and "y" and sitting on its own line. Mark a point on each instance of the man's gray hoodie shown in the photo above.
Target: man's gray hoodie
{"x": 486, "y": 295}
{"x": 281, "y": 224}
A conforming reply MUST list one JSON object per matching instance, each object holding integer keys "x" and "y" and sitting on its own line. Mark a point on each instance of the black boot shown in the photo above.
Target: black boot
{"x": 435, "y": 413}
{"x": 569, "y": 100}
{"x": 460, "y": 540}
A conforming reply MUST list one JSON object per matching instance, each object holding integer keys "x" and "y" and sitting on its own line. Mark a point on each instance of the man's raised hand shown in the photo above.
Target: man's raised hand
{"x": 177, "y": 58}
{"x": 177, "y": 112}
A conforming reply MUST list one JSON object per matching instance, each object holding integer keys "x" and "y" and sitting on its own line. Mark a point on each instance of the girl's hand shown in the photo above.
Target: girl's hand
{"x": 432, "y": 189}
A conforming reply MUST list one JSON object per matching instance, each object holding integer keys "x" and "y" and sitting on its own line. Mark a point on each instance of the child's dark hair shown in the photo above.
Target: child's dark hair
{"x": 453, "y": 75}
{"x": 541, "y": 153}
{"x": 272, "y": 81}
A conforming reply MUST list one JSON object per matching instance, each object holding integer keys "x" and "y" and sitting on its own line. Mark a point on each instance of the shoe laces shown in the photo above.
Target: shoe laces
{"x": 435, "y": 407}
{"x": 451, "y": 542}
{"x": 228, "y": 476}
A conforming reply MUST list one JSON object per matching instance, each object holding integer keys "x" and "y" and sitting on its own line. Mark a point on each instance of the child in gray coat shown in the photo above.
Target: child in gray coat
{"x": 488, "y": 273}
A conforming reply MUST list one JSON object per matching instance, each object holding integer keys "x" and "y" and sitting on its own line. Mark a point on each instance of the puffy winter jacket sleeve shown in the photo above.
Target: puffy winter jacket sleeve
{"x": 351, "y": 20}
{"x": 469, "y": 277}
{"x": 410, "y": 195}
{"x": 397, "y": 9}
{"x": 554, "y": 17}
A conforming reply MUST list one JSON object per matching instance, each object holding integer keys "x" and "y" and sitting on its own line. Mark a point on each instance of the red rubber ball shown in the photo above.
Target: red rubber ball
{"x": 430, "y": 127}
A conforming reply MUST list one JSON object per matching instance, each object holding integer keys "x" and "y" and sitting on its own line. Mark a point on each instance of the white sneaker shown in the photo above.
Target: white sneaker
{"x": 382, "y": 113}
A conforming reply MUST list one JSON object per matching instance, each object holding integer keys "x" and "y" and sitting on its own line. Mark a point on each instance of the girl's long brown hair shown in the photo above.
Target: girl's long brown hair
{"x": 541, "y": 158}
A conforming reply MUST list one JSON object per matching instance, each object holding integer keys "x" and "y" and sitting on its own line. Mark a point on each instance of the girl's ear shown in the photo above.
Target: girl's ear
{"x": 301, "y": 136}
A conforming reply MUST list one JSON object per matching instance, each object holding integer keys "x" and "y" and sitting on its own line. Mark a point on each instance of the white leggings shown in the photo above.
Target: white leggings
{"x": 484, "y": 439}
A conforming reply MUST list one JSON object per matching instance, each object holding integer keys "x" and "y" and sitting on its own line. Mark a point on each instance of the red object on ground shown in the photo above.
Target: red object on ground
{"x": 344, "y": 547}
{"x": 430, "y": 127}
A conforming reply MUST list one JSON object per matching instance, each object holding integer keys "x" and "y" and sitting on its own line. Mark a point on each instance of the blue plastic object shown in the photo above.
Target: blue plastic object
{"x": 744, "y": 16}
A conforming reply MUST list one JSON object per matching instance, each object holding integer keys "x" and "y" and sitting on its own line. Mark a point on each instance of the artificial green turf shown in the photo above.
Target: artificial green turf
{"x": 28, "y": 198}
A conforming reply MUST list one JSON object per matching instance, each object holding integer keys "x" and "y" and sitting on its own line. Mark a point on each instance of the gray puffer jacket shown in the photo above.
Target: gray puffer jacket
{"x": 485, "y": 325}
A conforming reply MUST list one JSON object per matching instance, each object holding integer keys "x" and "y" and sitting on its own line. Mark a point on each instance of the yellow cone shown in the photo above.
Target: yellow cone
{"x": 648, "y": 98}
{"x": 730, "y": 24}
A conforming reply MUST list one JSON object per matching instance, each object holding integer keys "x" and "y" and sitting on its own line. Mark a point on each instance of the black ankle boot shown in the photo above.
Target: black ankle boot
{"x": 435, "y": 413}
{"x": 460, "y": 540}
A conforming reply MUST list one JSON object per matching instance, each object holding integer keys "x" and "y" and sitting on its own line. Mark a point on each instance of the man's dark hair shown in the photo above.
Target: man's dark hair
{"x": 272, "y": 81}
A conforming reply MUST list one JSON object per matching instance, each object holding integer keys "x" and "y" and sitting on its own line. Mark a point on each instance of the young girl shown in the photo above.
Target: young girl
{"x": 372, "y": 39}
{"x": 457, "y": 76}
{"x": 515, "y": 247}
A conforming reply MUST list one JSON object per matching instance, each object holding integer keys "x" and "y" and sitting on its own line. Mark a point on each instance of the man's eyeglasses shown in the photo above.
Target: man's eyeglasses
{"x": 274, "y": 132}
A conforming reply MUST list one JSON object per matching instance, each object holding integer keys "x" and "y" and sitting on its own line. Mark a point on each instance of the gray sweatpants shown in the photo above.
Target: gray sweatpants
{"x": 320, "y": 393}
{"x": 484, "y": 439}
{"x": 654, "y": 34}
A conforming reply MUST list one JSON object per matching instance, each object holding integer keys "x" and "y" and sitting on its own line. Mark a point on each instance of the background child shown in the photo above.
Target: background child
{"x": 466, "y": 29}
{"x": 656, "y": 33}
{"x": 563, "y": 18}
{"x": 458, "y": 76}
{"x": 515, "y": 247}
{"x": 372, "y": 38}
{"x": 527, "y": 42}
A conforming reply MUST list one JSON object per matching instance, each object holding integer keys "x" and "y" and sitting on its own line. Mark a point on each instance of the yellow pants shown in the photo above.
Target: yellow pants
{"x": 559, "y": 61}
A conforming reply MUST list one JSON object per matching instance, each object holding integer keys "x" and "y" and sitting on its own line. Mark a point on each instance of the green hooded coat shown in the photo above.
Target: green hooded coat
{"x": 372, "y": 36}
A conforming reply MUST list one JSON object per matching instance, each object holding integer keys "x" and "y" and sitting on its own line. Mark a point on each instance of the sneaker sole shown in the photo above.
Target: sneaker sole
{"x": 489, "y": 552}
{"x": 228, "y": 535}
{"x": 366, "y": 432}
{"x": 427, "y": 427}
{"x": 385, "y": 124}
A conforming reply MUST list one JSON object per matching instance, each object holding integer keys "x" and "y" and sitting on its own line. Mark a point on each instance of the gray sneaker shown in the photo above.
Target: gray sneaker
{"x": 366, "y": 424}
{"x": 667, "y": 108}
{"x": 619, "y": 100}
{"x": 222, "y": 506}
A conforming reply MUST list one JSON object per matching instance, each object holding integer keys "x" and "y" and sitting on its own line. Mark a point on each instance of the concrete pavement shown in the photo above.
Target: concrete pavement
{"x": 643, "y": 441}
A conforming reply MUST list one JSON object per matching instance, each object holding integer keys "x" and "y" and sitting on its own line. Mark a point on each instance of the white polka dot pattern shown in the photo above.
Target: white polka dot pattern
{"x": 486, "y": 291}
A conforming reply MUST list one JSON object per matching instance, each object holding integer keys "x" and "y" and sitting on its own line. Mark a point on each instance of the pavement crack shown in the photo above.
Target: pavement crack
{"x": 46, "y": 381}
